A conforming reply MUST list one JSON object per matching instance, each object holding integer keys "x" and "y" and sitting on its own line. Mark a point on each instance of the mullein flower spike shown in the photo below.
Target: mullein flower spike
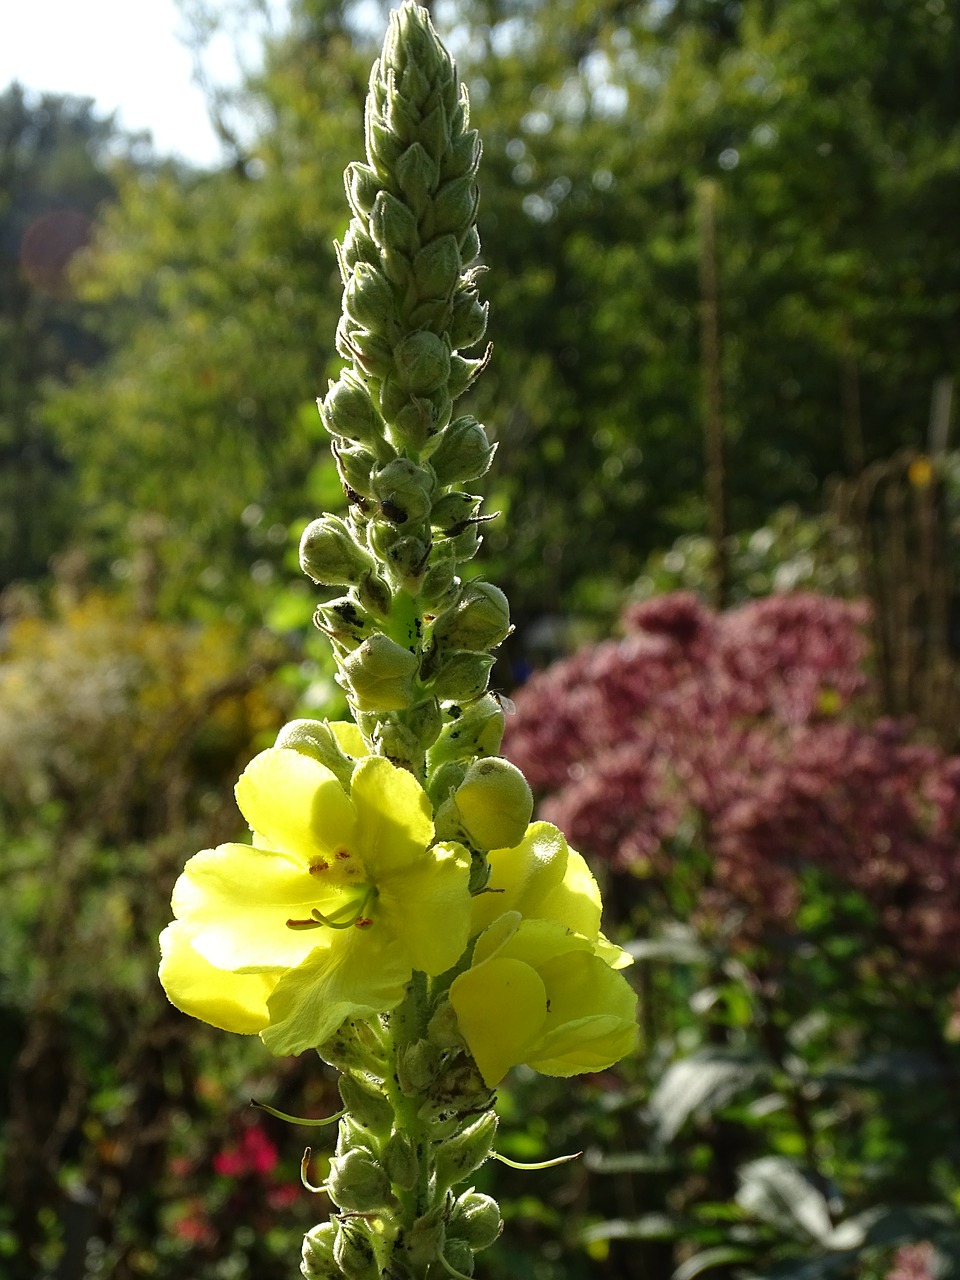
{"x": 396, "y": 910}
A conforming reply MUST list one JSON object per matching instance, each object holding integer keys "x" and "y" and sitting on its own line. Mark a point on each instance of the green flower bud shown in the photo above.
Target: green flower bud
{"x": 457, "y": 1158}
{"x": 417, "y": 1067}
{"x": 400, "y": 1161}
{"x": 414, "y": 424}
{"x": 363, "y": 186}
{"x": 417, "y": 176}
{"x": 473, "y": 730}
{"x": 374, "y": 594}
{"x": 466, "y": 542}
{"x": 440, "y": 585}
{"x": 443, "y": 1030}
{"x": 355, "y": 467}
{"x": 384, "y": 148}
{"x": 469, "y": 245}
{"x": 329, "y": 553}
{"x": 354, "y": 1046}
{"x": 365, "y": 1100}
{"x": 462, "y": 676}
{"x": 379, "y": 675}
{"x": 479, "y": 620}
{"x": 410, "y": 738}
{"x": 348, "y": 411}
{"x": 315, "y": 738}
{"x": 443, "y": 780}
{"x": 462, "y": 156}
{"x": 357, "y": 246}
{"x": 422, "y": 362}
{"x": 437, "y": 268}
{"x": 463, "y": 453}
{"x": 495, "y": 804}
{"x": 468, "y": 322}
{"x": 393, "y": 226}
{"x": 344, "y": 622}
{"x": 454, "y": 207}
{"x": 357, "y": 1183}
{"x": 459, "y": 1256}
{"x": 403, "y": 490}
{"x": 407, "y": 560}
{"x": 476, "y": 1219}
{"x": 463, "y": 373}
{"x": 371, "y": 352}
{"x": 368, "y": 297}
{"x": 454, "y": 511}
{"x": 424, "y": 1241}
{"x": 354, "y": 1251}
{"x": 352, "y": 1135}
{"x": 317, "y": 1260}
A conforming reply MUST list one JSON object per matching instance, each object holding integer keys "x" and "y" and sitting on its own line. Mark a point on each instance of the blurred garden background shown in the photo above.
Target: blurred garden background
{"x": 724, "y": 276}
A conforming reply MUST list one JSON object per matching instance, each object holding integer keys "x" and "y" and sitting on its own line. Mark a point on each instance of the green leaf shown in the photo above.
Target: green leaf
{"x": 705, "y": 1081}
{"x": 774, "y": 1190}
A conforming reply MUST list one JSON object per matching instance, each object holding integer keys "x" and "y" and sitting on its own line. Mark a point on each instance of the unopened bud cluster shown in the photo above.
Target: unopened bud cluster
{"x": 411, "y": 639}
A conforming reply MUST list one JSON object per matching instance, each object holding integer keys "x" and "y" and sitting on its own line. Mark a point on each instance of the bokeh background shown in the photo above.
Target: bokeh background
{"x": 725, "y": 305}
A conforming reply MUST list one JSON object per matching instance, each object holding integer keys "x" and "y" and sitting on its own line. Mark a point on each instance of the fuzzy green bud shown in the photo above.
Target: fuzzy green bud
{"x": 403, "y": 490}
{"x": 417, "y": 176}
{"x": 354, "y": 1251}
{"x": 407, "y": 560}
{"x": 412, "y": 737}
{"x": 468, "y": 321}
{"x": 365, "y": 1100}
{"x": 354, "y": 1046}
{"x": 317, "y": 1260}
{"x": 355, "y": 466}
{"x": 357, "y": 1183}
{"x": 400, "y": 1161}
{"x": 394, "y": 226}
{"x": 368, "y": 298}
{"x": 479, "y": 620}
{"x": 347, "y": 410}
{"x": 462, "y": 676}
{"x": 424, "y": 1241}
{"x": 464, "y": 452}
{"x": 476, "y": 1220}
{"x": 457, "y": 1158}
{"x": 417, "y": 1067}
{"x": 472, "y": 730}
{"x": 329, "y": 553}
{"x": 454, "y": 511}
{"x": 459, "y": 1256}
{"x": 379, "y": 675}
{"x": 437, "y": 268}
{"x": 440, "y": 584}
{"x": 494, "y": 804}
{"x": 422, "y": 361}
{"x": 315, "y": 738}
{"x": 344, "y": 621}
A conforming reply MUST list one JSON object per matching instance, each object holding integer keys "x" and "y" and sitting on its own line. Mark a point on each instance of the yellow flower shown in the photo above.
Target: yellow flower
{"x": 544, "y": 879}
{"x": 327, "y": 914}
{"x": 540, "y": 994}
{"x": 543, "y": 987}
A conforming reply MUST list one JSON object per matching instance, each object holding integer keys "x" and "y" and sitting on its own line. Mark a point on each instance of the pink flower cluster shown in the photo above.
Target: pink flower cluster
{"x": 746, "y": 727}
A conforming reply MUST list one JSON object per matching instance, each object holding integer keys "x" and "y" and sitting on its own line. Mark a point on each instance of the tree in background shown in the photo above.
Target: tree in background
{"x": 54, "y": 176}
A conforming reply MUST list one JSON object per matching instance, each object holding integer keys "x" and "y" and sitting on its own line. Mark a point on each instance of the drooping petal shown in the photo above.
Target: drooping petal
{"x": 500, "y": 1007}
{"x": 363, "y": 975}
{"x": 592, "y": 1016}
{"x": 231, "y": 1001}
{"x": 296, "y": 805}
{"x": 235, "y": 902}
{"x": 427, "y": 907}
{"x": 394, "y": 818}
{"x": 575, "y": 901}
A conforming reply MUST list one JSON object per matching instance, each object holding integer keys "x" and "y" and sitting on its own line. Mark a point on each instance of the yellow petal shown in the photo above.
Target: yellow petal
{"x": 427, "y": 906}
{"x": 575, "y": 901}
{"x": 296, "y": 805}
{"x": 349, "y": 738}
{"x": 235, "y": 902}
{"x": 362, "y": 975}
{"x": 523, "y": 876}
{"x": 394, "y": 818}
{"x": 591, "y": 1020}
{"x": 231, "y": 1001}
{"x": 500, "y": 1008}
